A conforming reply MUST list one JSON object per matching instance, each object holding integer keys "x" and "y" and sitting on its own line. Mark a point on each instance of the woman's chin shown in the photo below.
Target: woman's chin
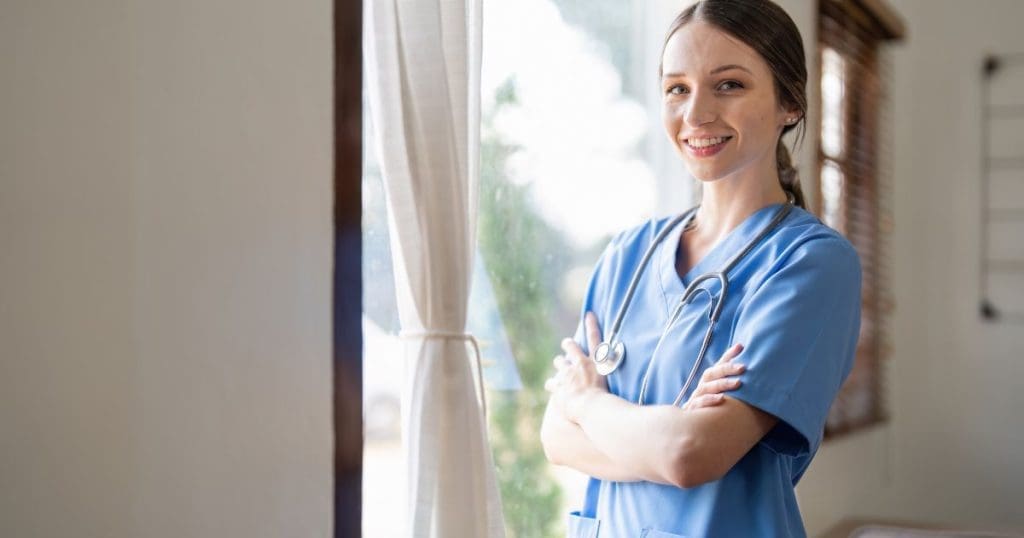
{"x": 705, "y": 175}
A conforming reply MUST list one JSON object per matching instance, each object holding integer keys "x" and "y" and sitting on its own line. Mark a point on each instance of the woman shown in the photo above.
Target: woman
{"x": 733, "y": 80}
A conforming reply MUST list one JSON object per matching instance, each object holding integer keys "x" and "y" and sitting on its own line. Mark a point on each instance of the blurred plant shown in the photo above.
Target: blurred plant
{"x": 524, "y": 257}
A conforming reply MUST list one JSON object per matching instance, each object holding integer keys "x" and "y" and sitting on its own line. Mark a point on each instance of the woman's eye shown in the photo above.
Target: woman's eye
{"x": 730, "y": 85}
{"x": 675, "y": 90}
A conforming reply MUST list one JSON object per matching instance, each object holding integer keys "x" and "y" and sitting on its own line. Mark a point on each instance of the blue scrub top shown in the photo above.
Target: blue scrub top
{"x": 794, "y": 303}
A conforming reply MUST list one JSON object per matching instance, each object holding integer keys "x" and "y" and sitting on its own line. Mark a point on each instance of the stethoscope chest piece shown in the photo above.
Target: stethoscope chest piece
{"x": 608, "y": 356}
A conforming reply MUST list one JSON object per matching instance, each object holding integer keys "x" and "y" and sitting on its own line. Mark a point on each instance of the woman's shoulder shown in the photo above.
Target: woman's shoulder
{"x": 806, "y": 240}
{"x": 810, "y": 232}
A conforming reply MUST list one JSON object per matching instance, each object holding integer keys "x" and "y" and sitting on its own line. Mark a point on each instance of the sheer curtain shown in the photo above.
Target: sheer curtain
{"x": 423, "y": 78}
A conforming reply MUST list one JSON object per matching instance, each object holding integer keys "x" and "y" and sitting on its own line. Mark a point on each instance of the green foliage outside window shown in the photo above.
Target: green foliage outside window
{"x": 524, "y": 257}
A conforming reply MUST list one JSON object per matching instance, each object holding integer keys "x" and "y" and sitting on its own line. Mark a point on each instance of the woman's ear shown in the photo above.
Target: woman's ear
{"x": 791, "y": 116}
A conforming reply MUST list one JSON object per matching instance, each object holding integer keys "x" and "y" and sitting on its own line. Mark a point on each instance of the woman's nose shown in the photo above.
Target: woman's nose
{"x": 699, "y": 109}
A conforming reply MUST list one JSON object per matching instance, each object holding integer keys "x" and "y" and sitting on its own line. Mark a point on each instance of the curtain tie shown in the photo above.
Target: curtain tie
{"x": 465, "y": 337}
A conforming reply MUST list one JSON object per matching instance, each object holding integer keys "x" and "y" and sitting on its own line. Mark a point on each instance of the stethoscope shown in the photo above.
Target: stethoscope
{"x": 611, "y": 352}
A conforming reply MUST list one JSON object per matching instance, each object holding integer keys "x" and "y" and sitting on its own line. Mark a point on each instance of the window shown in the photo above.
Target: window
{"x": 572, "y": 151}
{"x": 853, "y": 189}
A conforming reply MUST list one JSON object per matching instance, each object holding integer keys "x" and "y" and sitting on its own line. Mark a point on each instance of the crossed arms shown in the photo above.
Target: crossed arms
{"x": 602, "y": 435}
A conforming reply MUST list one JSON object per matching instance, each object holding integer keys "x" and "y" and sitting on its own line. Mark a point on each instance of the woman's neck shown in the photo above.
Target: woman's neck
{"x": 726, "y": 204}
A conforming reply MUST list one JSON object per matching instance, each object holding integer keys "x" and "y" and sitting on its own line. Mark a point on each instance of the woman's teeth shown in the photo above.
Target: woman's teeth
{"x": 705, "y": 142}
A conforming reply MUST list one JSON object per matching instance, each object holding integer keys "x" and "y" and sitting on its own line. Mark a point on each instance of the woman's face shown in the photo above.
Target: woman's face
{"x": 720, "y": 108}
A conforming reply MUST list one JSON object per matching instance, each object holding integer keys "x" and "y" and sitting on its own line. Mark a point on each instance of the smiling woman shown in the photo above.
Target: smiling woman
{"x": 768, "y": 78}
{"x": 733, "y": 81}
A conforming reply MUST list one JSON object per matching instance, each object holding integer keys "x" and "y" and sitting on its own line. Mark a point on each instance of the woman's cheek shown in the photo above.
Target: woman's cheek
{"x": 671, "y": 121}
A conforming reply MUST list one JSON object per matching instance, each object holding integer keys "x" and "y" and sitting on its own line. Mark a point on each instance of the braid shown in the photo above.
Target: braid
{"x": 788, "y": 177}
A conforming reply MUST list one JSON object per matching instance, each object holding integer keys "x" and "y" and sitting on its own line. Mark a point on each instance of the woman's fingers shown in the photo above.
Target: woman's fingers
{"x": 560, "y": 362}
{"x": 572, "y": 350}
{"x": 593, "y": 331}
{"x": 707, "y": 400}
{"x": 731, "y": 353}
{"x": 720, "y": 377}
{"x": 724, "y": 366}
{"x": 716, "y": 386}
{"x": 581, "y": 372}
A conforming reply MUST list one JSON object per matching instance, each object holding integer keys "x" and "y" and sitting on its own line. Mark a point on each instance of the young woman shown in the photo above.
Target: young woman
{"x": 748, "y": 276}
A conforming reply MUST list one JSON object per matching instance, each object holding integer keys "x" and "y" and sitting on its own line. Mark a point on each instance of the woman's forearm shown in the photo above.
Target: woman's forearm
{"x": 566, "y": 444}
{"x": 649, "y": 440}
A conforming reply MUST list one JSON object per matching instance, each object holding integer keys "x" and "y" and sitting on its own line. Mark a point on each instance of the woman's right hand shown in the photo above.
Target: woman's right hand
{"x": 716, "y": 380}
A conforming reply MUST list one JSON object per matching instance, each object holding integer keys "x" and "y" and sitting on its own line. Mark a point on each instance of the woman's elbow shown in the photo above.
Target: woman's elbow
{"x": 548, "y": 441}
{"x": 688, "y": 469}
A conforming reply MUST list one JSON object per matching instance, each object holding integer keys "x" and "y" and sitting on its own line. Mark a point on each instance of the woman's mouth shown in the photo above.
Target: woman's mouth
{"x": 706, "y": 147}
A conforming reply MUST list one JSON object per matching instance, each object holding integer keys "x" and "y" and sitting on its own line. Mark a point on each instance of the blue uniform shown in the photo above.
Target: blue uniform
{"x": 794, "y": 303}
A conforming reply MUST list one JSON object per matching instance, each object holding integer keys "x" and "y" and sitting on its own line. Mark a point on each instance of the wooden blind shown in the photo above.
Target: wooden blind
{"x": 853, "y": 191}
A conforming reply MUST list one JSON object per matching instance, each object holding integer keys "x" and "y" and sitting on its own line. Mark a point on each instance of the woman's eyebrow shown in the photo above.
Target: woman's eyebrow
{"x": 714, "y": 71}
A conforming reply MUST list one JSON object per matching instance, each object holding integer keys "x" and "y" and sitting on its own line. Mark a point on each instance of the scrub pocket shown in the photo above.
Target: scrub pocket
{"x": 582, "y": 526}
{"x": 651, "y": 533}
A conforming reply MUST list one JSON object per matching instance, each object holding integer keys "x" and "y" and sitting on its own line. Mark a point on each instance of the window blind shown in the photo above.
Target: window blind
{"x": 854, "y": 189}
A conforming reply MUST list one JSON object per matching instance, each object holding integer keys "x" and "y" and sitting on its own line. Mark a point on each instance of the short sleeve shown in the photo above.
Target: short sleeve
{"x": 799, "y": 330}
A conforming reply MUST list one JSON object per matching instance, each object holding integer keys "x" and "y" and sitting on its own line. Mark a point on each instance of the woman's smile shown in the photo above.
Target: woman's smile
{"x": 706, "y": 147}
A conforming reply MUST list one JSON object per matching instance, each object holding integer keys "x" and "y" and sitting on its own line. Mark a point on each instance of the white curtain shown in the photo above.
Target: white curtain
{"x": 422, "y": 61}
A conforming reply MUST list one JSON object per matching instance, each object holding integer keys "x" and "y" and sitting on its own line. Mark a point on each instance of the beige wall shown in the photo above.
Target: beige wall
{"x": 165, "y": 229}
{"x": 165, "y": 209}
{"x": 952, "y": 451}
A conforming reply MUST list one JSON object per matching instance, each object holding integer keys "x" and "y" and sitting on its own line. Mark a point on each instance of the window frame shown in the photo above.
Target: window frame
{"x": 856, "y": 30}
{"x": 347, "y": 293}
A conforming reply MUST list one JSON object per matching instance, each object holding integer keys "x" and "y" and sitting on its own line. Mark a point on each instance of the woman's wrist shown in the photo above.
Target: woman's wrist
{"x": 578, "y": 403}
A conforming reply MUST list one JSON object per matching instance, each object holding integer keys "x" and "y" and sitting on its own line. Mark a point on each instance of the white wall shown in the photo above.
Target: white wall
{"x": 952, "y": 450}
{"x": 165, "y": 229}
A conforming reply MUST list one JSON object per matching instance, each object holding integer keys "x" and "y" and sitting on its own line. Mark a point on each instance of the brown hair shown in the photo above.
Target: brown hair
{"x": 768, "y": 29}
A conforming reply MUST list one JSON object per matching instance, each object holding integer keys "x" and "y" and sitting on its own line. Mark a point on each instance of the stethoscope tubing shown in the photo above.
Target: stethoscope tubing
{"x": 688, "y": 294}
{"x": 617, "y": 323}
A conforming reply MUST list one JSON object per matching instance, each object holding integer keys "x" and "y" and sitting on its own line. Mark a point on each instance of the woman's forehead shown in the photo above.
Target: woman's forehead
{"x": 698, "y": 47}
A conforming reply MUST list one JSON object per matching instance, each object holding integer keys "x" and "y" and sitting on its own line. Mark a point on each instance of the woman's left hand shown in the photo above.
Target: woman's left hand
{"x": 577, "y": 375}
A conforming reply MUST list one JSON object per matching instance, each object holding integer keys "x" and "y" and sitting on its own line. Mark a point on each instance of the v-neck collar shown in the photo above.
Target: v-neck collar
{"x": 716, "y": 258}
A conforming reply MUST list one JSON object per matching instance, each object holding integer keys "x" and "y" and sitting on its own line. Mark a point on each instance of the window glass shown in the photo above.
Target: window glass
{"x": 571, "y": 152}
{"x": 384, "y": 472}
{"x": 833, "y": 93}
{"x": 832, "y": 195}
{"x": 565, "y": 164}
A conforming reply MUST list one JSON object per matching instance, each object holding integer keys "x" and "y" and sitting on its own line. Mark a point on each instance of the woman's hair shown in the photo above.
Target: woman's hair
{"x": 768, "y": 29}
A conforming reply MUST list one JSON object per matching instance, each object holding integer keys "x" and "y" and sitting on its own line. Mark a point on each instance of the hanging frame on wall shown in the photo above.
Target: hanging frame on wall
{"x": 1001, "y": 244}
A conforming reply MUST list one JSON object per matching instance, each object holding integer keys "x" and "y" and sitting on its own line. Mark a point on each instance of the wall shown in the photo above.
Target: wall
{"x": 164, "y": 313}
{"x": 165, "y": 223}
{"x": 952, "y": 450}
